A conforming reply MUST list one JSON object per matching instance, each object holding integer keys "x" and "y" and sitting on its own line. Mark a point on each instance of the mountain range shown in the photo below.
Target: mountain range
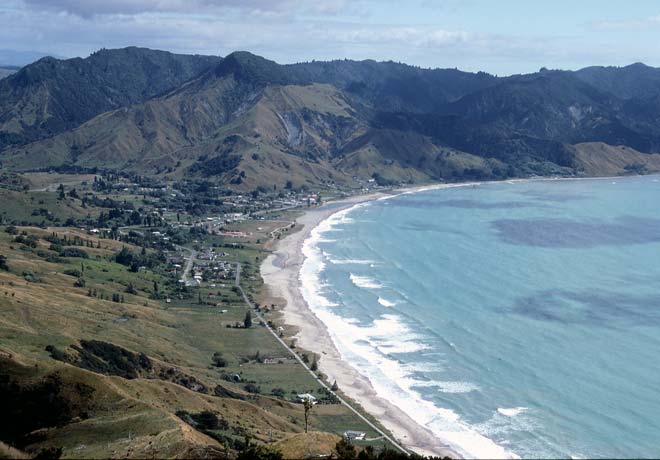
{"x": 248, "y": 122}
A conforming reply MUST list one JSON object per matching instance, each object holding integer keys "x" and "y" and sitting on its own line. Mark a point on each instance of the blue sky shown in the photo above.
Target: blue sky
{"x": 497, "y": 36}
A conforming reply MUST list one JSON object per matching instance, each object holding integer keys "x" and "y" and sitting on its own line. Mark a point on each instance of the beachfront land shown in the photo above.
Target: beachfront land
{"x": 127, "y": 308}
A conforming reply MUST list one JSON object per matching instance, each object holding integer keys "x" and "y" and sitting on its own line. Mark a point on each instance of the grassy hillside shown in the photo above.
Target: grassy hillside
{"x": 129, "y": 377}
{"x": 52, "y": 95}
{"x": 599, "y": 159}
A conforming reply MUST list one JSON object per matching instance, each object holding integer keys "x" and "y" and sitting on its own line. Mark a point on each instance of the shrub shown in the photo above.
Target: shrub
{"x": 30, "y": 277}
{"x": 3, "y": 263}
{"x": 219, "y": 360}
{"x": 252, "y": 388}
{"x": 74, "y": 252}
{"x": 259, "y": 453}
{"x": 73, "y": 272}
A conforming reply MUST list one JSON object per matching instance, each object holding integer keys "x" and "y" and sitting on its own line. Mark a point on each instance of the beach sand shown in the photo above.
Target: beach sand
{"x": 280, "y": 271}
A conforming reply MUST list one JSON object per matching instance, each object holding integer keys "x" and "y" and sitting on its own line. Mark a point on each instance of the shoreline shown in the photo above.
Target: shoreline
{"x": 280, "y": 272}
{"x": 281, "y": 275}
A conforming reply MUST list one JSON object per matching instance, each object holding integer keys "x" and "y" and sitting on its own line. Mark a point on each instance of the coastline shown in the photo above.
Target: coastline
{"x": 280, "y": 272}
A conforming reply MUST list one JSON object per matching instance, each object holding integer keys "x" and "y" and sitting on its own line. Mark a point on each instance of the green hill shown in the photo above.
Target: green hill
{"x": 248, "y": 122}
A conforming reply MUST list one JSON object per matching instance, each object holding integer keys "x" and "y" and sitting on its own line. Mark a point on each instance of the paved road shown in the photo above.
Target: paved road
{"x": 237, "y": 281}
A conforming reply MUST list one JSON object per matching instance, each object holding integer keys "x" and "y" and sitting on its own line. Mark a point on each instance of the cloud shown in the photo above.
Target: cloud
{"x": 92, "y": 8}
{"x": 293, "y": 30}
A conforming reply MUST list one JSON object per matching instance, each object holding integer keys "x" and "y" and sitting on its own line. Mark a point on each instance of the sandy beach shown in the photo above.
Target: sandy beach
{"x": 280, "y": 271}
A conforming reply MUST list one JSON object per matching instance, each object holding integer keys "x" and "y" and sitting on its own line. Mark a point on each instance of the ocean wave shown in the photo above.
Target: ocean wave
{"x": 386, "y": 303}
{"x": 369, "y": 349}
{"x": 511, "y": 412}
{"x": 365, "y": 282}
{"x": 350, "y": 261}
{"x": 449, "y": 386}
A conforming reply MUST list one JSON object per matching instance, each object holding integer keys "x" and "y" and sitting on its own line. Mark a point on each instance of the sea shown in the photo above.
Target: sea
{"x": 511, "y": 319}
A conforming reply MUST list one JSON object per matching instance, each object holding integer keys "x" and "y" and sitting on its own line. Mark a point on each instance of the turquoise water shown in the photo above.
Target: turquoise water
{"x": 512, "y": 319}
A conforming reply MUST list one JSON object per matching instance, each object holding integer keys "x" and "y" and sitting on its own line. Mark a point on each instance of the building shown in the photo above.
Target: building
{"x": 354, "y": 435}
{"x": 306, "y": 396}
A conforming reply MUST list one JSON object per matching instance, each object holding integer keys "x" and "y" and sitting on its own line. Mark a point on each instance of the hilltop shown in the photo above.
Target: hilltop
{"x": 247, "y": 122}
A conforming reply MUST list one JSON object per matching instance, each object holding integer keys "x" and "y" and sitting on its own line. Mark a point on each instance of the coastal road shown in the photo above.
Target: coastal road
{"x": 237, "y": 281}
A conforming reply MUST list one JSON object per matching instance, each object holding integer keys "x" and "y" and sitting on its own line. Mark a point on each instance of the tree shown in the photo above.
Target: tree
{"x": 259, "y": 453}
{"x": 345, "y": 450}
{"x": 334, "y": 386}
{"x": 247, "y": 322}
{"x": 155, "y": 287}
{"x": 314, "y": 367}
{"x": 3, "y": 263}
{"x": 219, "y": 360}
{"x": 308, "y": 405}
{"x": 252, "y": 388}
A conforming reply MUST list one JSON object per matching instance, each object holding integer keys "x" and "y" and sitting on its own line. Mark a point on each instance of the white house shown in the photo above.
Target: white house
{"x": 354, "y": 435}
{"x": 306, "y": 396}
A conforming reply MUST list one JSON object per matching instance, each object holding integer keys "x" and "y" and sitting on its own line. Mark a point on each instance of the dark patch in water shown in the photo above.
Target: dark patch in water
{"x": 459, "y": 203}
{"x": 558, "y": 197}
{"x": 595, "y": 309}
{"x": 566, "y": 233}
{"x": 419, "y": 226}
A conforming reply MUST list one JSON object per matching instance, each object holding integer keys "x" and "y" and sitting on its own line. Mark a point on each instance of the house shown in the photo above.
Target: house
{"x": 354, "y": 435}
{"x": 306, "y": 396}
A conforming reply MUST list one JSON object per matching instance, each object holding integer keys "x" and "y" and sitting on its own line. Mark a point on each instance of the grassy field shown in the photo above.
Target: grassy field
{"x": 40, "y": 307}
{"x": 39, "y": 207}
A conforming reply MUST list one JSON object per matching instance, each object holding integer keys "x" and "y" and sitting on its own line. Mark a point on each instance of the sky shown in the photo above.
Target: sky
{"x": 502, "y": 37}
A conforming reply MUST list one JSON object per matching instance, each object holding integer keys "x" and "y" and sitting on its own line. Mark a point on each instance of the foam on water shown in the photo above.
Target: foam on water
{"x": 365, "y": 282}
{"x": 511, "y": 412}
{"x": 504, "y": 338}
{"x": 448, "y": 386}
{"x": 371, "y": 349}
{"x": 386, "y": 303}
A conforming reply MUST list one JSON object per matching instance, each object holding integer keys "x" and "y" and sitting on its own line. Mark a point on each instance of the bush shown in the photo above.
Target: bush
{"x": 3, "y": 263}
{"x": 219, "y": 360}
{"x": 260, "y": 453}
{"x": 80, "y": 282}
{"x": 27, "y": 240}
{"x": 205, "y": 420}
{"x": 73, "y": 272}
{"x": 279, "y": 392}
{"x": 30, "y": 277}
{"x": 74, "y": 252}
{"x": 252, "y": 388}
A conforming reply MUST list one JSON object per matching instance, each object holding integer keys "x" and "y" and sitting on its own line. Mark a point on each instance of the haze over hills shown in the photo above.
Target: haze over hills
{"x": 246, "y": 122}
{"x": 6, "y": 71}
